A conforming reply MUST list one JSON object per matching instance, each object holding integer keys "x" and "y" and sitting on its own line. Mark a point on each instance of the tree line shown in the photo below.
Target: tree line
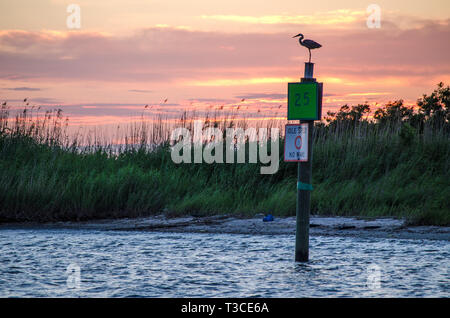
{"x": 431, "y": 112}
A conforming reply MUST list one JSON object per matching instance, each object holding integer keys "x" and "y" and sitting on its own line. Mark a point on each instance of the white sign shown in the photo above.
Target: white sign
{"x": 296, "y": 142}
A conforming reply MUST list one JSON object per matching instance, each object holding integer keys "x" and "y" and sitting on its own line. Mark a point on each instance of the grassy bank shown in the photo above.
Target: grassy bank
{"x": 362, "y": 169}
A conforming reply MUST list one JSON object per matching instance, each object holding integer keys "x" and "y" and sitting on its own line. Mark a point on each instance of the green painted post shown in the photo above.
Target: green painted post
{"x": 304, "y": 173}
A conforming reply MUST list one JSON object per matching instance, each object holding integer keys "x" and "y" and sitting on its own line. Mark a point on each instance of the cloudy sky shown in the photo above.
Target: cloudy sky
{"x": 206, "y": 55}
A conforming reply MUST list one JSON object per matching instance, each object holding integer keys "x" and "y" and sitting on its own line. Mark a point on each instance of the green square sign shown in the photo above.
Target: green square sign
{"x": 304, "y": 101}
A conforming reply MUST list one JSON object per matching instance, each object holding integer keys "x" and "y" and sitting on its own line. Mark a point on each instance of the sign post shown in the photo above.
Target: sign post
{"x": 304, "y": 104}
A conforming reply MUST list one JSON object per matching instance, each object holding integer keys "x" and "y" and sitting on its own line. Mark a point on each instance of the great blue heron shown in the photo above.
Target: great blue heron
{"x": 309, "y": 44}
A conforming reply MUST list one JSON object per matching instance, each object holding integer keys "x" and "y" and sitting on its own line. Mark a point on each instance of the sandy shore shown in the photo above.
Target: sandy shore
{"x": 328, "y": 226}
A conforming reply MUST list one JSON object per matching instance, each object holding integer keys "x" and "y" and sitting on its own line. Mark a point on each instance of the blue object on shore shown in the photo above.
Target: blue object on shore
{"x": 268, "y": 218}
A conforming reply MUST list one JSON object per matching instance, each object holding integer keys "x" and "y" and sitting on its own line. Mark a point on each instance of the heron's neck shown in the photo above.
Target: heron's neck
{"x": 300, "y": 39}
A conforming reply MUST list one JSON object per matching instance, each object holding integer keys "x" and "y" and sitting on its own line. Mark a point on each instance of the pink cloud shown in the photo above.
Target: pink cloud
{"x": 166, "y": 54}
{"x": 358, "y": 56}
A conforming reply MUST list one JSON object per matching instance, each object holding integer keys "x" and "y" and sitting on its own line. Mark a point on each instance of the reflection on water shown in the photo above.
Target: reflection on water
{"x": 87, "y": 263}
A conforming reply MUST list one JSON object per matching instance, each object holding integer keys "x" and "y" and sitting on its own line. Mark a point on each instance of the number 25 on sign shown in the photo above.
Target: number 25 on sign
{"x": 299, "y": 99}
{"x": 304, "y": 101}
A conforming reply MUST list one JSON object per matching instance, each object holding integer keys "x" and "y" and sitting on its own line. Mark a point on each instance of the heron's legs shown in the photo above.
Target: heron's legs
{"x": 309, "y": 55}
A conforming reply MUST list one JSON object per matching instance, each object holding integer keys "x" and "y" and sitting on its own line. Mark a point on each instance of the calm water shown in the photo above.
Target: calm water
{"x": 44, "y": 263}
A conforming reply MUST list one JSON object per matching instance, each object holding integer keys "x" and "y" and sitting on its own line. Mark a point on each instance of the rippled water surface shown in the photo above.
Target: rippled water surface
{"x": 43, "y": 263}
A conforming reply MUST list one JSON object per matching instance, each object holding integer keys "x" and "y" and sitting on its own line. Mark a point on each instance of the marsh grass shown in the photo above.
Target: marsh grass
{"x": 363, "y": 169}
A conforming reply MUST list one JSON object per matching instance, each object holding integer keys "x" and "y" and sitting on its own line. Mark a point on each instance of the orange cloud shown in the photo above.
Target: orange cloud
{"x": 336, "y": 18}
{"x": 240, "y": 81}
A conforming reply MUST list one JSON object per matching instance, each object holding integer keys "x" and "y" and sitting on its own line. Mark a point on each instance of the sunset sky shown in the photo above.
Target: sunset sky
{"x": 202, "y": 55}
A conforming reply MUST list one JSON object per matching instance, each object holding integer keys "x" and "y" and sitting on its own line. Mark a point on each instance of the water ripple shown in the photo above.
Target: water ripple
{"x": 44, "y": 263}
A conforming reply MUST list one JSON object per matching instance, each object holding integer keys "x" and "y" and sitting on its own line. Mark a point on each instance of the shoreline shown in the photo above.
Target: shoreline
{"x": 225, "y": 224}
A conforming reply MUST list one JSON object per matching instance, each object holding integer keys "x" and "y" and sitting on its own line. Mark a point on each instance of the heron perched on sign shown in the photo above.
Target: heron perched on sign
{"x": 309, "y": 44}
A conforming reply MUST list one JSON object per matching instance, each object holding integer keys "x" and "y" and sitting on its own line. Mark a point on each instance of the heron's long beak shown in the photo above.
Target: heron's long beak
{"x": 296, "y": 35}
